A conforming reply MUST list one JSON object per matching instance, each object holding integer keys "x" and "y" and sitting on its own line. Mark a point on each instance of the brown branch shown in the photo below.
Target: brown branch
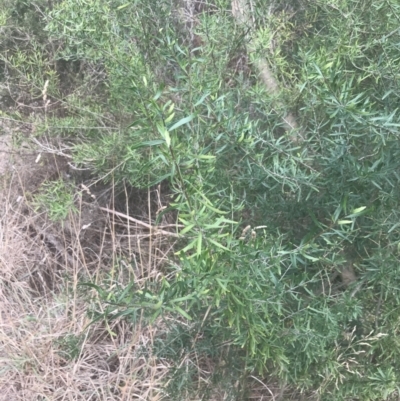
{"x": 242, "y": 15}
{"x": 153, "y": 230}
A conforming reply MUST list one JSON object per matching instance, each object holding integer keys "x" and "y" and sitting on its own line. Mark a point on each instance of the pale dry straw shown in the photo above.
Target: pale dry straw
{"x": 48, "y": 350}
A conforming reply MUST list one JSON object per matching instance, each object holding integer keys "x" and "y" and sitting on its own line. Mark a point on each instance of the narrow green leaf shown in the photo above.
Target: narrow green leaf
{"x": 157, "y": 95}
{"x": 215, "y": 209}
{"x": 201, "y": 100}
{"x": 218, "y": 244}
{"x": 182, "y": 220}
{"x": 159, "y": 179}
{"x": 187, "y": 229}
{"x": 236, "y": 299}
{"x": 101, "y": 292}
{"x": 155, "y": 142}
{"x": 182, "y": 299}
{"x": 152, "y": 306}
{"x": 218, "y": 223}
{"x": 199, "y": 243}
{"x": 169, "y": 118}
{"x": 164, "y": 133}
{"x": 312, "y": 258}
{"x": 167, "y": 139}
{"x": 182, "y": 312}
{"x": 345, "y": 222}
{"x": 134, "y": 123}
{"x": 357, "y": 211}
{"x": 171, "y": 108}
{"x": 206, "y": 157}
{"x": 222, "y": 284}
{"x": 393, "y": 227}
{"x": 182, "y": 122}
{"x": 190, "y": 246}
{"x": 123, "y": 6}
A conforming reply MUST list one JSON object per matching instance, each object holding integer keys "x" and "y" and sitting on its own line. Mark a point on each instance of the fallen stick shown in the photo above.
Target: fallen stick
{"x": 153, "y": 230}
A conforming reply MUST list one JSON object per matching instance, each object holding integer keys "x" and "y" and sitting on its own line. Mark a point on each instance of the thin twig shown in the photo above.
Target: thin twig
{"x": 272, "y": 394}
{"x": 153, "y": 230}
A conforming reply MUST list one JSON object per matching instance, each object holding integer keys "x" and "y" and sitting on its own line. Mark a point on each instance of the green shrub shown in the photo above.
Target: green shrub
{"x": 56, "y": 198}
{"x": 307, "y": 294}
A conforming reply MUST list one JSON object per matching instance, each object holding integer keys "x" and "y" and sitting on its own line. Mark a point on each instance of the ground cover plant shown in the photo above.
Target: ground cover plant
{"x": 224, "y": 176}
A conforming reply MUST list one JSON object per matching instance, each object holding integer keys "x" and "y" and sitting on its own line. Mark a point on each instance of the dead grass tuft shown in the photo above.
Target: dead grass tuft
{"x": 48, "y": 349}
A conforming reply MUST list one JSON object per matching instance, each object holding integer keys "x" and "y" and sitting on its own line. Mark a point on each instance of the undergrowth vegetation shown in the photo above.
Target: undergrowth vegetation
{"x": 234, "y": 166}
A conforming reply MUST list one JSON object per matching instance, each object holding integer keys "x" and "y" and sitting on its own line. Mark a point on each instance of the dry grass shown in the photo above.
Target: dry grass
{"x": 48, "y": 350}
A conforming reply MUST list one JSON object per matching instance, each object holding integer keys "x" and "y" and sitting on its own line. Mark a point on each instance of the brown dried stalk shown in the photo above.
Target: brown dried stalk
{"x": 242, "y": 14}
{"x": 153, "y": 229}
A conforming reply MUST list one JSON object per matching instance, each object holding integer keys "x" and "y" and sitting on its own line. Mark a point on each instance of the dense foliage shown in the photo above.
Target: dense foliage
{"x": 290, "y": 241}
